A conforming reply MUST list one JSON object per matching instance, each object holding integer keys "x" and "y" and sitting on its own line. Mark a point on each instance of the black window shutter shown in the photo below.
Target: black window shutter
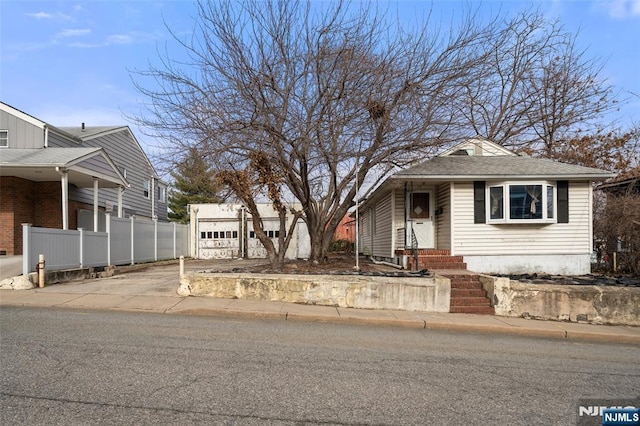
{"x": 479, "y": 209}
{"x": 563, "y": 201}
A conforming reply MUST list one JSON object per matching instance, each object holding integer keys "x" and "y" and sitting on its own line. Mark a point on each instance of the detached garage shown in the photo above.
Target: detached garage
{"x": 225, "y": 231}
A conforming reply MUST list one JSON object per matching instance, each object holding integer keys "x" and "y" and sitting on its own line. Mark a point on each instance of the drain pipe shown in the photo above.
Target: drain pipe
{"x": 382, "y": 262}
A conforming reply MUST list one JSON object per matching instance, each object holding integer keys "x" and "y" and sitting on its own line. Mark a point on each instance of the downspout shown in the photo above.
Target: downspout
{"x": 46, "y": 136}
{"x": 383, "y": 262}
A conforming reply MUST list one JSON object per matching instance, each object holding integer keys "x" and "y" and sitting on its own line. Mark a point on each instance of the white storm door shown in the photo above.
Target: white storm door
{"x": 420, "y": 219}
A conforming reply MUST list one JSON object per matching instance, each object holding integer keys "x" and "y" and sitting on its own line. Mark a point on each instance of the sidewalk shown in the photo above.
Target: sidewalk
{"x": 154, "y": 290}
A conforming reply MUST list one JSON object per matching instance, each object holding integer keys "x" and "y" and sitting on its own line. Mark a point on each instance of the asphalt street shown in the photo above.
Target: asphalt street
{"x": 74, "y": 366}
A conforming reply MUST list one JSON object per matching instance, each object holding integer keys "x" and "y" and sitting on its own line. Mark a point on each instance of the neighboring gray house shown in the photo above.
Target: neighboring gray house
{"x": 146, "y": 195}
{"x": 482, "y": 207}
{"x": 48, "y": 175}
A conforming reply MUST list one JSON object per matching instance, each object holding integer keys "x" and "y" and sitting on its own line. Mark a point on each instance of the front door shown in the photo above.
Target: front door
{"x": 420, "y": 226}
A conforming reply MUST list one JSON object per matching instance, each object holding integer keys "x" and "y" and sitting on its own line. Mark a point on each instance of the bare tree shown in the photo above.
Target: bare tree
{"x": 330, "y": 95}
{"x": 617, "y": 225}
{"x": 246, "y": 184}
{"x": 614, "y": 150}
{"x": 321, "y": 94}
{"x": 535, "y": 88}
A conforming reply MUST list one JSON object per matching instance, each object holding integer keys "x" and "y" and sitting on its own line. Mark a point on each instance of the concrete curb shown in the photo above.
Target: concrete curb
{"x": 272, "y": 311}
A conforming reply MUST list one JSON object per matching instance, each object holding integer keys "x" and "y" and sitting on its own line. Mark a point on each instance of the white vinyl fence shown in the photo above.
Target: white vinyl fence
{"x": 126, "y": 241}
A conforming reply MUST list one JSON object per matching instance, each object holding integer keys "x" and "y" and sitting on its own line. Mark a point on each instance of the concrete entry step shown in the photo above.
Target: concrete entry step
{"x": 431, "y": 259}
{"x": 468, "y": 295}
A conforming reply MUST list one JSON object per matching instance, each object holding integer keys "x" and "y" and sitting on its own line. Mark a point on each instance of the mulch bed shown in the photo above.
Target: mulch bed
{"x": 589, "y": 279}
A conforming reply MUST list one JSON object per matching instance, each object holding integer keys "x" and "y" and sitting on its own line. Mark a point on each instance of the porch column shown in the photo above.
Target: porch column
{"x": 120, "y": 189}
{"x": 95, "y": 204}
{"x": 64, "y": 182}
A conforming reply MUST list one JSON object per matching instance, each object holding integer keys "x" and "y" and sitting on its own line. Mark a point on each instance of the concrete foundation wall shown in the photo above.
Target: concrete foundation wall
{"x": 554, "y": 264}
{"x": 593, "y": 304}
{"x": 411, "y": 294}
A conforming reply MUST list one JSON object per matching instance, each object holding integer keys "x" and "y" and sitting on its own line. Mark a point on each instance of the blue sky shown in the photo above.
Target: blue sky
{"x": 68, "y": 62}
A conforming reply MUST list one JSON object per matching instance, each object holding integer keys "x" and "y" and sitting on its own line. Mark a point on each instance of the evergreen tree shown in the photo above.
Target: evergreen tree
{"x": 193, "y": 183}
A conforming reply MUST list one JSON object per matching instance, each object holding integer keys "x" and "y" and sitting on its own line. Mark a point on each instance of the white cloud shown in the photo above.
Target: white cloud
{"x": 622, "y": 9}
{"x": 73, "y": 33}
{"x": 119, "y": 39}
{"x": 82, "y": 45}
{"x": 55, "y": 16}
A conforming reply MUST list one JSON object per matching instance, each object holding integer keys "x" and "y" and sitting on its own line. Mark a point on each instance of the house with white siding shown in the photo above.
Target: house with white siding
{"x": 52, "y": 177}
{"x": 481, "y": 207}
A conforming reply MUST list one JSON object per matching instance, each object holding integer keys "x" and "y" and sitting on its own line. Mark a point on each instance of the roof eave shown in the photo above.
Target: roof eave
{"x": 458, "y": 178}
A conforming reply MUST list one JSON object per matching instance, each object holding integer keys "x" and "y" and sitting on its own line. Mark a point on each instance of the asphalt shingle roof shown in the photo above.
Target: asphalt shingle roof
{"x": 89, "y": 131}
{"x": 43, "y": 157}
{"x": 465, "y": 167}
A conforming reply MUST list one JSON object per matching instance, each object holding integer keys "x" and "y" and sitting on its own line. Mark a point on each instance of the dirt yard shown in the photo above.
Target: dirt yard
{"x": 333, "y": 264}
{"x": 339, "y": 263}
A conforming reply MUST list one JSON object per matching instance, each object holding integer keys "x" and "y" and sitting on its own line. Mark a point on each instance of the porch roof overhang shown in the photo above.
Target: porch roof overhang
{"x": 83, "y": 166}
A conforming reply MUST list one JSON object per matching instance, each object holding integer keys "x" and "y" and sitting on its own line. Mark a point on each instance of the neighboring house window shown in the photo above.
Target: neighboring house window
{"x": 4, "y": 138}
{"x": 161, "y": 193}
{"x": 521, "y": 202}
{"x": 203, "y": 235}
{"x": 146, "y": 189}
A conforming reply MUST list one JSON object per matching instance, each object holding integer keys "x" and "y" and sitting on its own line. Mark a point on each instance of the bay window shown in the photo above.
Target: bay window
{"x": 521, "y": 202}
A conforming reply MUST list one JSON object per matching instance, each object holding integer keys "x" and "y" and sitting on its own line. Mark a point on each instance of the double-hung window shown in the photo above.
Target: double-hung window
{"x": 4, "y": 138}
{"x": 521, "y": 202}
{"x": 160, "y": 193}
{"x": 146, "y": 189}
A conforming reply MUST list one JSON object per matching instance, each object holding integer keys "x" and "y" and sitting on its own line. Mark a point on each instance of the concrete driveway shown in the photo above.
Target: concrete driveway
{"x": 153, "y": 280}
{"x": 10, "y": 266}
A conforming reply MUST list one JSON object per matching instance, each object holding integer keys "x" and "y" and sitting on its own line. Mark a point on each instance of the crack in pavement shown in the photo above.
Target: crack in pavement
{"x": 181, "y": 411}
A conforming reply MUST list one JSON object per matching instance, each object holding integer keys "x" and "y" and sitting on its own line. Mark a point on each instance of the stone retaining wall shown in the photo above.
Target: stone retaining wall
{"x": 585, "y": 303}
{"x": 426, "y": 294}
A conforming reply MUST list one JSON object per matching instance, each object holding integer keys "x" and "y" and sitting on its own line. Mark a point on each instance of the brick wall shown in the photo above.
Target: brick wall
{"x": 6, "y": 216}
{"x": 48, "y": 209}
{"x": 345, "y": 230}
{"x": 16, "y": 207}
{"x": 38, "y": 203}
